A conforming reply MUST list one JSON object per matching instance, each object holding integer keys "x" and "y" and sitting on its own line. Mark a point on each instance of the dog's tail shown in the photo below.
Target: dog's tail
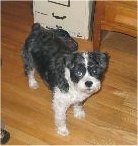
{"x": 36, "y": 26}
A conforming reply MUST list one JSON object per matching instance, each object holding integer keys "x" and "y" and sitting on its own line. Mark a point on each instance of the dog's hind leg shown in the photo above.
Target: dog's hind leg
{"x": 31, "y": 78}
{"x": 29, "y": 68}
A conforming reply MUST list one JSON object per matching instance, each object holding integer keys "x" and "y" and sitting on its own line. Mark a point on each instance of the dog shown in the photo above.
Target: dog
{"x": 72, "y": 76}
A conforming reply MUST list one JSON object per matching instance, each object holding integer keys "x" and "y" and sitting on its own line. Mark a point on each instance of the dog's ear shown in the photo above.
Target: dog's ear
{"x": 99, "y": 58}
{"x": 104, "y": 60}
{"x": 69, "y": 61}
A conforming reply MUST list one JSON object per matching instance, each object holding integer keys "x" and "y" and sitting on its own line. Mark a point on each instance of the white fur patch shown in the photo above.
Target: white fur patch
{"x": 33, "y": 84}
{"x": 78, "y": 111}
{"x": 76, "y": 94}
{"x": 85, "y": 55}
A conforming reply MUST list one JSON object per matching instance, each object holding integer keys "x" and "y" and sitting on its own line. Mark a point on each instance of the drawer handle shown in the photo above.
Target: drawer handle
{"x": 58, "y": 17}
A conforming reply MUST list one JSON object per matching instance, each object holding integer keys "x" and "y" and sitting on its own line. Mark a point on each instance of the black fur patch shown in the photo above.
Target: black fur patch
{"x": 78, "y": 70}
{"x": 97, "y": 64}
{"x": 45, "y": 50}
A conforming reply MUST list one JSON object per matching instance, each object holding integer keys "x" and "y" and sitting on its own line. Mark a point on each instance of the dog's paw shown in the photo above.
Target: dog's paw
{"x": 33, "y": 84}
{"x": 79, "y": 114}
{"x": 63, "y": 131}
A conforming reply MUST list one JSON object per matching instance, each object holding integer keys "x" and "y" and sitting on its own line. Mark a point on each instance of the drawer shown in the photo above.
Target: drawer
{"x": 76, "y": 22}
{"x": 50, "y": 22}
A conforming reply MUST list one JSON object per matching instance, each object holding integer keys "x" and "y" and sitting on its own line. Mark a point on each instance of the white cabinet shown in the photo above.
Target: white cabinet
{"x": 73, "y": 16}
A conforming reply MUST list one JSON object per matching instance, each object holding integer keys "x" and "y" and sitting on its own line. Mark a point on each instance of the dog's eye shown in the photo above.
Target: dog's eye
{"x": 79, "y": 70}
{"x": 94, "y": 71}
{"x": 79, "y": 73}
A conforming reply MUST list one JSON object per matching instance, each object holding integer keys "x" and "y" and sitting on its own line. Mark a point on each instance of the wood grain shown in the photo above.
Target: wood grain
{"x": 110, "y": 114}
{"x": 119, "y": 16}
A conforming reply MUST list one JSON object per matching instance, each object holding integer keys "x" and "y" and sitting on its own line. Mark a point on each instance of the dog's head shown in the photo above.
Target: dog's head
{"x": 86, "y": 70}
{"x": 69, "y": 41}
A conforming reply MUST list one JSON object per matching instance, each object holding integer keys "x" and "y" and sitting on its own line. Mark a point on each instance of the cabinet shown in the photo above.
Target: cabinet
{"x": 73, "y": 16}
{"x": 119, "y": 16}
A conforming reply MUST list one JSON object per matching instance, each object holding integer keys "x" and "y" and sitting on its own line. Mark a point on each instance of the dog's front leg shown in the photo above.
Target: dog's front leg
{"x": 60, "y": 108}
{"x": 79, "y": 112}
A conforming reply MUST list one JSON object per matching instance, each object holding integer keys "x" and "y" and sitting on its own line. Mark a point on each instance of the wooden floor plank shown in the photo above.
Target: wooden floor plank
{"x": 110, "y": 114}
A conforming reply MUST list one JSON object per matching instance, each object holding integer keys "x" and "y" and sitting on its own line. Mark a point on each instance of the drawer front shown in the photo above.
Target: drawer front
{"x": 53, "y": 15}
{"x": 120, "y": 13}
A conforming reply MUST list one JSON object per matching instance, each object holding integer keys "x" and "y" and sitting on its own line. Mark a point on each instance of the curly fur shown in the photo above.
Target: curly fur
{"x": 71, "y": 76}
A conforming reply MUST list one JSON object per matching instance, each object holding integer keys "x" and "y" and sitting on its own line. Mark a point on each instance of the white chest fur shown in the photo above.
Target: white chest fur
{"x": 75, "y": 94}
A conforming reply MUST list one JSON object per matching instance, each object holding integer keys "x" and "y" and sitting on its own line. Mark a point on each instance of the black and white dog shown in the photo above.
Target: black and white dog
{"x": 71, "y": 76}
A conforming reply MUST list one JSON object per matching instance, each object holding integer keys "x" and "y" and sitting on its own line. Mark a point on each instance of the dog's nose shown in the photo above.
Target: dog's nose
{"x": 88, "y": 83}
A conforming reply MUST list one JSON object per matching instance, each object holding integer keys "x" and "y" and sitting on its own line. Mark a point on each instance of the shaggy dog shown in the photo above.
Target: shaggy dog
{"x": 72, "y": 76}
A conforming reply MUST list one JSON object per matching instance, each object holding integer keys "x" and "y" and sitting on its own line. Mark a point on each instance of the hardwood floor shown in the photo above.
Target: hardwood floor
{"x": 110, "y": 114}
